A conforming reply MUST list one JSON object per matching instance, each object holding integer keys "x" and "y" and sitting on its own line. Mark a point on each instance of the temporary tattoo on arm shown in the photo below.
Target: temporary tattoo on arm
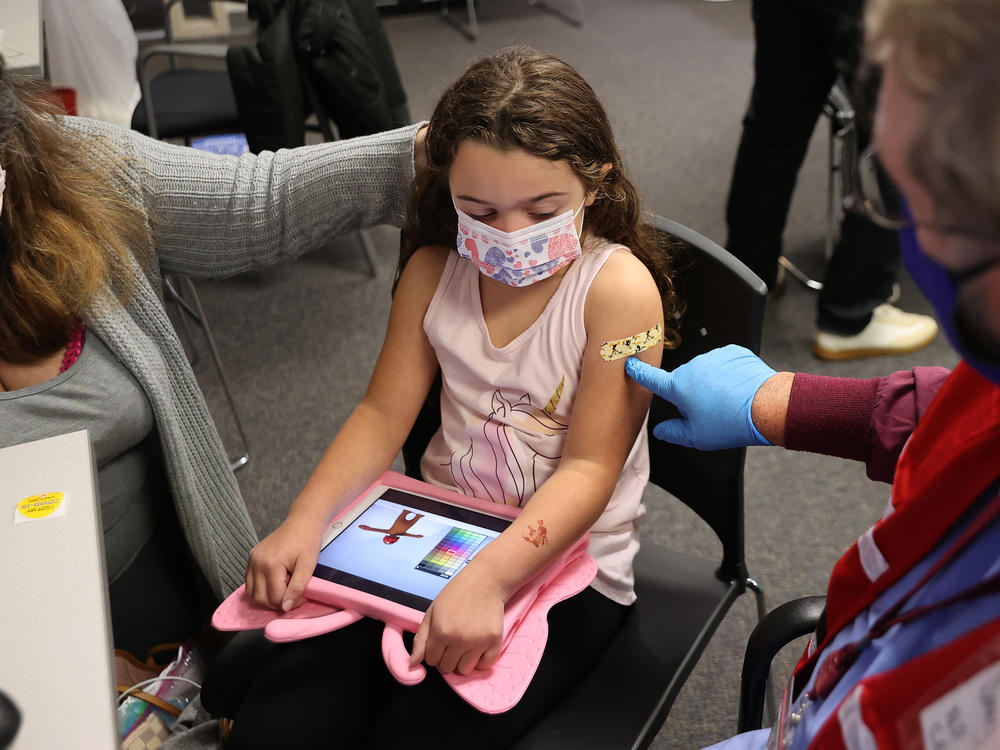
{"x": 612, "y": 350}
{"x": 537, "y": 535}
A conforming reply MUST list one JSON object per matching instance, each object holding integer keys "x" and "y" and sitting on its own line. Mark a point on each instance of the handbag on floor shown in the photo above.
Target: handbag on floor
{"x": 152, "y": 695}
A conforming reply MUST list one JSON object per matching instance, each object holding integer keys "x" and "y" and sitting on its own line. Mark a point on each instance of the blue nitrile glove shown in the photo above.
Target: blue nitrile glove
{"x": 714, "y": 393}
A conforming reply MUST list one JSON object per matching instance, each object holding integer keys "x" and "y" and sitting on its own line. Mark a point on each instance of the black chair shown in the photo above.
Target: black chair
{"x": 681, "y": 599}
{"x": 182, "y": 102}
{"x": 777, "y": 629}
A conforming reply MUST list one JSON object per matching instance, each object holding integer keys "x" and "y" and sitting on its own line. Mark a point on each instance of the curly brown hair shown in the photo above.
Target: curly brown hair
{"x": 522, "y": 98}
{"x": 64, "y": 229}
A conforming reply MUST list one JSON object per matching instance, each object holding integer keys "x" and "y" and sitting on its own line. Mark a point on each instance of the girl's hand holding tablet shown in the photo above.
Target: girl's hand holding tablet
{"x": 282, "y": 564}
{"x": 463, "y": 628}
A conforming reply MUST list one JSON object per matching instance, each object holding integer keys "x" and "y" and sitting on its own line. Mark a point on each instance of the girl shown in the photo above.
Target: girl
{"x": 550, "y": 263}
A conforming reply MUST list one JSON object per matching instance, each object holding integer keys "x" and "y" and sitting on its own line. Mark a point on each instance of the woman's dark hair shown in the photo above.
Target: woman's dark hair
{"x": 522, "y": 98}
{"x": 64, "y": 229}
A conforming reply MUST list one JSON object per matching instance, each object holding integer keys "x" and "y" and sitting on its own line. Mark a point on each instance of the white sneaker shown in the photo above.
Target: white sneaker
{"x": 891, "y": 331}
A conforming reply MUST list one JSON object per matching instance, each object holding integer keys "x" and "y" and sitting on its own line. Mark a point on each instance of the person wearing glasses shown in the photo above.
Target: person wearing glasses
{"x": 908, "y": 651}
{"x": 801, "y": 48}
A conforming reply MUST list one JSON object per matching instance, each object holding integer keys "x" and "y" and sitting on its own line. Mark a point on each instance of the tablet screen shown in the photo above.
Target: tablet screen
{"x": 405, "y": 547}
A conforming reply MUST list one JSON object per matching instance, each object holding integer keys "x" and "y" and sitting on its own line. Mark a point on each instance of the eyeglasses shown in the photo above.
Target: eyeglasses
{"x": 869, "y": 192}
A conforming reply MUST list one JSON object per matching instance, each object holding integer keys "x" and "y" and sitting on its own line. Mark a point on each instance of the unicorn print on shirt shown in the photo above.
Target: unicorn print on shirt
{"x": 517, "y": 466}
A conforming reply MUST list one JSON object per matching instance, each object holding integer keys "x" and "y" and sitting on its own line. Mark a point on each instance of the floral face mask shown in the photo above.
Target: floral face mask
{"x": 523, "y": 257}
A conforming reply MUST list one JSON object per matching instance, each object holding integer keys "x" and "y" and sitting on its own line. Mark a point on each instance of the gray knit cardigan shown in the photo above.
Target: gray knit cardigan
{"x": 216, "y": 216}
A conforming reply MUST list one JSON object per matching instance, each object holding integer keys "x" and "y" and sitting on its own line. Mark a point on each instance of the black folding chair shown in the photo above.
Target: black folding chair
{"x": 681, "y": 599}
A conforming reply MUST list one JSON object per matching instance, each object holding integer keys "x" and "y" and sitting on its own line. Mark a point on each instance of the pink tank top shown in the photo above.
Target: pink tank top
{"x": 505, "y": 411}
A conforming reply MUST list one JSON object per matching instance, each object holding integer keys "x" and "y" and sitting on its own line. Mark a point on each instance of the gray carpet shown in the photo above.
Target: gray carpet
{"x": 299, "y": 340}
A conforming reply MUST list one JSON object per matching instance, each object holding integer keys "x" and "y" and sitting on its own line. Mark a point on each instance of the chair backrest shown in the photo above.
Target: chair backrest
{"x": 724, "y": 305}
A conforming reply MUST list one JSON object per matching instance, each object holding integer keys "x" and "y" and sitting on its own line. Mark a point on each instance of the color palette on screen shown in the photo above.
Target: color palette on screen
{"x": 451, "y": 552}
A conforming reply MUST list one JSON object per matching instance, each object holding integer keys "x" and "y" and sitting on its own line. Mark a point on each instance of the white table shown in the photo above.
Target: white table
{"x": 55, "y": 623}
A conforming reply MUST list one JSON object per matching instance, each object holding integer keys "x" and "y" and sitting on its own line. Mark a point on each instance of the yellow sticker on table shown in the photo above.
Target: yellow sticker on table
{"x": 626, "y": 347}
{"x": 37, "y": 507}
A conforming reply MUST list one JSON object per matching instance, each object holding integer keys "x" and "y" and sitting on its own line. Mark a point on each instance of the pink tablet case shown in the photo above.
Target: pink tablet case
{"x": 330, "y": 606}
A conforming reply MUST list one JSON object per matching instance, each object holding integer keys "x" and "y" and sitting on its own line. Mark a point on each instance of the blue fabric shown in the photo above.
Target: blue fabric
{"x": 940, "y": 289}
{"x": 747, "y": 741}
{"x": 906, "y": 641}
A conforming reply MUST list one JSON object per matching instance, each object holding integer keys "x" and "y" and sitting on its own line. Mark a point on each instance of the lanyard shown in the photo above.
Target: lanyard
{"x": 838, "y": 662}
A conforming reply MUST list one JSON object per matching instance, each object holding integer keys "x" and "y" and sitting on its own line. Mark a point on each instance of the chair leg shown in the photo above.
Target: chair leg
{"x": 175, "y": 295}
{"x": 471, "y": 27}
{"x": 831, "y": 192}
{"x": 370, "y": 255}
{"x": 198, "y": 314}
{"x": 576, "y": 20}
{"x": 842, "y": 151}
{"x": 800, "y": 275}
{"x": 770, "y": 703}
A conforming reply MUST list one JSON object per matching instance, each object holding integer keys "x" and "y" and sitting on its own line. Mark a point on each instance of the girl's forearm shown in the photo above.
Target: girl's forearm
{"x": 363, "y": 448}
{"x": 558, "y": 514}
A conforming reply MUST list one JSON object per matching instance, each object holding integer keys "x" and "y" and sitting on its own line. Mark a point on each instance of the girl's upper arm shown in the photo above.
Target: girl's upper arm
{"x": 610, "y": 407}
{"x": 407, "y": 364}
{"x": 217, "y": 215}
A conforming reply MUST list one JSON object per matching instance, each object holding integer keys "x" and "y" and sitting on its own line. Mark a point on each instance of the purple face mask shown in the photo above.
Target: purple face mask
{"x": 523, "y": 257}
{"x": 941, "y": 287}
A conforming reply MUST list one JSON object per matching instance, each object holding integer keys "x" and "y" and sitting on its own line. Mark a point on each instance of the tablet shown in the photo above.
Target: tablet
{"x": 403, "y": 546}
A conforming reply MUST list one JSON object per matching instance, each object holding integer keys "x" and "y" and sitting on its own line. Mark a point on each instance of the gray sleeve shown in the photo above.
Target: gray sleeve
{"x": 214, "y": 215}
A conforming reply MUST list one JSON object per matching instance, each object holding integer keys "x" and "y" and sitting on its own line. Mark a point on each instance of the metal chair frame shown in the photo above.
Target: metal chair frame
{"x": 843, "y": 131}
{"x": 470, "y": 28}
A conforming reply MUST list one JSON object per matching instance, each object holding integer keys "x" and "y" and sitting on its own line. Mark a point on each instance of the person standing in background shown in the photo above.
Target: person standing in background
{"x": 801, "y": 48}
{"x": 907, "y": 652}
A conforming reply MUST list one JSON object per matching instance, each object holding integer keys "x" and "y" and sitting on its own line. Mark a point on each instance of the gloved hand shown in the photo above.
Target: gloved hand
{"x": 714, "y": 393}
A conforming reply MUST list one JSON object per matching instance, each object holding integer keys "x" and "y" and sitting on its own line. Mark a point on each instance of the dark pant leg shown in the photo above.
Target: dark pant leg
{"x": 860, "y": 273}
{"x": 322, "y": 692}
{"x": 426, "y": 715}
{"x": 794, "y": 70}
{"x": 162, "y": 597}
{"x": 232, "y": 671}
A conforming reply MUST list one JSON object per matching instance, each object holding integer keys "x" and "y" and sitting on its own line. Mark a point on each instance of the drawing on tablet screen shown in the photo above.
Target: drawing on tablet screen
{"x": 399, "y": 527}
{"x": 451, "y": 552}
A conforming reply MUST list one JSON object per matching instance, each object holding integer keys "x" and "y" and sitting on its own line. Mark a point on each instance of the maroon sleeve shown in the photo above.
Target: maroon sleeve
{"x": 864, "y": 420}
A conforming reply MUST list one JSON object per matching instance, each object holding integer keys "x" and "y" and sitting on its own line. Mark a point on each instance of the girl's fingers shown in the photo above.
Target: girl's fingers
{"x": 260, "y": 588}
{"x": 489, "y": 657}
{"x": 450, "y": 658}
{"x": 293, "y": 594}
{"x": 419, "y": 644}
{"x": 469, "y": 661}
{"x": 433, "y": 651}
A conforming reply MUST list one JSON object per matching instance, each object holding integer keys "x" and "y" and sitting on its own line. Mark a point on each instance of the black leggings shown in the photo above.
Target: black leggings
{"x": 162, "y": 597}
{"x": 335, "y": 692}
